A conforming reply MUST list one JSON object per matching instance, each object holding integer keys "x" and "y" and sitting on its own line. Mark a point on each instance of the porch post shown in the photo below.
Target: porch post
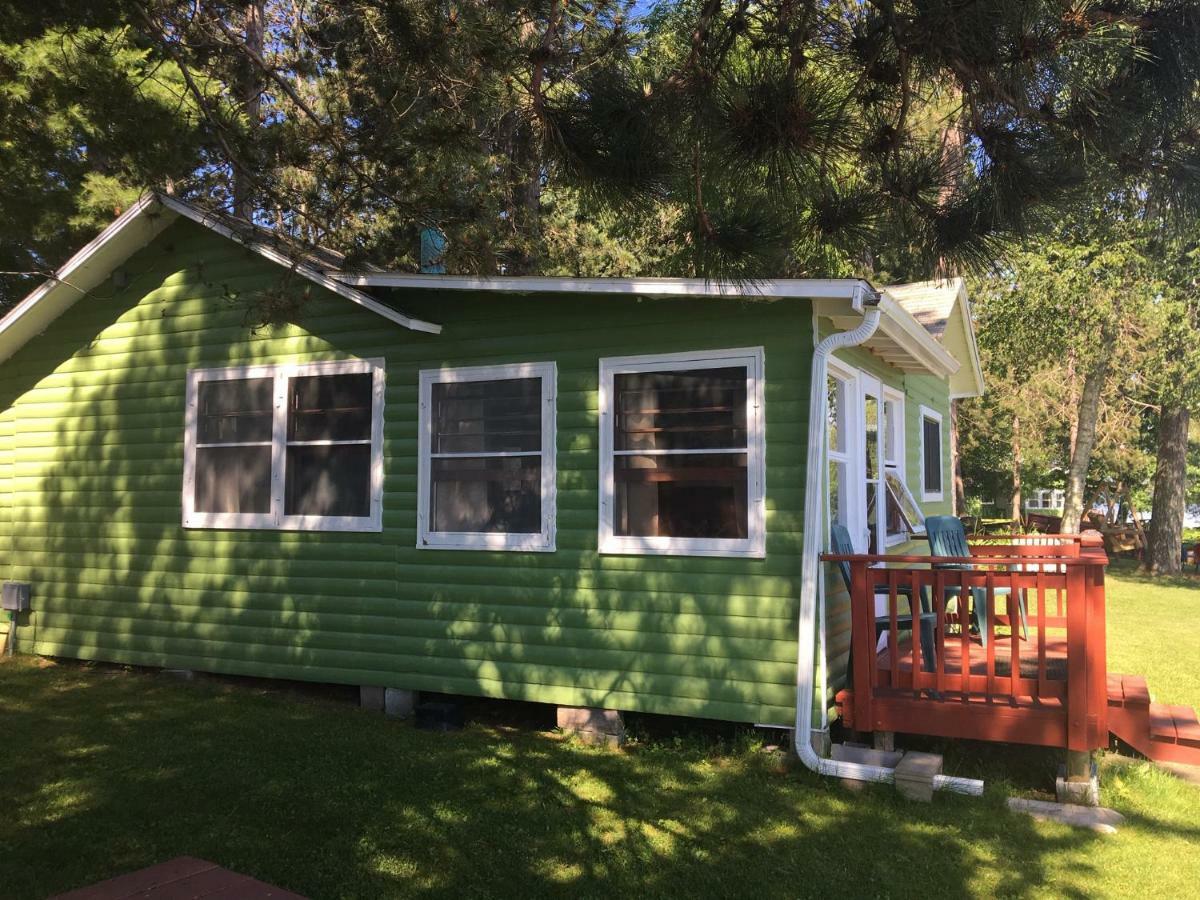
{"x": 862, "y": 644}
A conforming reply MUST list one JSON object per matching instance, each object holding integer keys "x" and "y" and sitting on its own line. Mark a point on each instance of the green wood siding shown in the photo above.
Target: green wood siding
{"x": 93, "y": 411}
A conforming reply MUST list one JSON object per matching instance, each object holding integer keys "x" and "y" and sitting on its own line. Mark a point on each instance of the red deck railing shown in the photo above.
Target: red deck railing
{"x": 1037, "y": 678}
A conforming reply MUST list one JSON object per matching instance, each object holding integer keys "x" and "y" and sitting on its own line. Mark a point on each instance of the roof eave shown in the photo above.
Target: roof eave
{"x": 813, "y": 288}
{"x": 128, "y": 233}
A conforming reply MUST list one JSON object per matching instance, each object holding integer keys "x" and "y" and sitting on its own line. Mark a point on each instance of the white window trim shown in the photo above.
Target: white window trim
{"x": 754, "y": 544}
{"x": 276, "y": 519}
{"x": 896, "y": 425}
{"x": 926, "y": 494}
{"x": 853, "y": 454}
{"x": 542, "y": 542}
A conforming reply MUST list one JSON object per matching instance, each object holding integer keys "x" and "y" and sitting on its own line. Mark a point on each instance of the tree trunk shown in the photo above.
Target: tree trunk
{"x": 1016, "y": 471}
{"x": 251, "y": 100}
{"x": 1085, "y": 439}
{"x": 1073, "y": 401}
{"x": 1170, "y": 492}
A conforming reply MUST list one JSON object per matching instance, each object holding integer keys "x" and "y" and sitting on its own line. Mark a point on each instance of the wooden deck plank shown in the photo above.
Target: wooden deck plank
{"x": 1162, "y": 723}
{"x": 1187, "y": 729}
{"x": 133, "y": 883}
{"x": 183, "y": 878}
{"x": 1137, "y": 691}
{"x": 1116, "y": 689}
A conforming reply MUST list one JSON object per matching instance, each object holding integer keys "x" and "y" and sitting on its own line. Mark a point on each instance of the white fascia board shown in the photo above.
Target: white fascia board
{"x": 972, "y": 343}
{"x": 326, "y": 281}
{"x": 900, "y": 325}
{"x": 814, "y": 288}
{"x": 128, "y": 233}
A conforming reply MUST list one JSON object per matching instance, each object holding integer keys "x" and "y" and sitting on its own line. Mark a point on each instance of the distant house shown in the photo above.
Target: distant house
{"x": 587, "y": 492}
{"x": 1046, "y": 499}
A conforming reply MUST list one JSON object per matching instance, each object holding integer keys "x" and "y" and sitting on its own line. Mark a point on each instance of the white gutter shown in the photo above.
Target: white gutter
{"x": 811, "y": 562}
{"x": 795, "y": 288}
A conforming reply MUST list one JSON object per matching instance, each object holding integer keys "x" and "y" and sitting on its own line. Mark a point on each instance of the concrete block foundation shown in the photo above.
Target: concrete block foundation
{"x": 593, "y": 726}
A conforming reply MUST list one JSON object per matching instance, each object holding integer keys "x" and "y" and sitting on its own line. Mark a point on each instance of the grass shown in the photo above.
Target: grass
{"x": 104, "y": 770}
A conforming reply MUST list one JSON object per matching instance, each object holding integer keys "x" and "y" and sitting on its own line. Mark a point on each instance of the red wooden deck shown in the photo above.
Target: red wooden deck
{"x": 1059, "y": 692}
{"x": 1056, "y": 694}
{"x": 183, "y": 878}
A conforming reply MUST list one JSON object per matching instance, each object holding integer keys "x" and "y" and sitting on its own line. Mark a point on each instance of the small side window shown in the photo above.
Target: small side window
{"x": 932, "y": 461}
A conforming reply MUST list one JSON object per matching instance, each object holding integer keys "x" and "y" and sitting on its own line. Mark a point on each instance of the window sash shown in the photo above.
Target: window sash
{"x": 754, "y": 544}
{"x": 542, "y": 541}
{"x": 930, "y": 491}
{"x": 277, "y": 518}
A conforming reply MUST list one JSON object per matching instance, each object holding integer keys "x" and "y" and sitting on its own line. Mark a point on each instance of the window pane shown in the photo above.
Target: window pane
{"x": 697, "y": 409}
{"x": 487, "y": 416}
{"x": 905, "y": 504}
{"x": 871, "y": 426}
{"x": 933, "y": 454}
{"x": 330, "y": 407}
{"x": 836, "y": 389}
{"x": 838, "y": 511}
{"x": 498, "y": 494}
{"x": 890, "y": 424}
{"x": 233, "y": 479}
{"x": 329, "y": 480}
{"x": 692, "y": 496}
{"x": 237, "y": 410}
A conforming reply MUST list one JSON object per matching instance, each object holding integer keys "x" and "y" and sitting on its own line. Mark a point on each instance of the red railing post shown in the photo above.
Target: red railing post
{"x": 1097, "y": 656}
{"x": 862, "y": 645}
{"x": 1077, "y": 659}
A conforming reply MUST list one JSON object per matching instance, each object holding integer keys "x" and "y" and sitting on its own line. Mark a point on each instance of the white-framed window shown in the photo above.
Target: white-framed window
{"x": 682, "y": 454}
{"x": 295, "y": 447}
{"x": 899, "y": 521}
{"x": 840, "y": 392}
{"x": 932, "y": 460}
{"x": 486, "y": 460}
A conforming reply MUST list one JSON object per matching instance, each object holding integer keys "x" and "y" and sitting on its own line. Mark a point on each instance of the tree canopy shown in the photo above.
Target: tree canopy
{"x": 721, "y": 138}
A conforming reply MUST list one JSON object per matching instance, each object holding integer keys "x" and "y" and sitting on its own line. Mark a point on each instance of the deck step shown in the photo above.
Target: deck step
{"x": 1128, "y": 690}
{"x": 1174, "y": 725}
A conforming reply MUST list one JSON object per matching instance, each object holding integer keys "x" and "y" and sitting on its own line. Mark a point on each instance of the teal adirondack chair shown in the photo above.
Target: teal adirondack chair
{"x": 840, "y": 543}
{"x": 947, "y": 537}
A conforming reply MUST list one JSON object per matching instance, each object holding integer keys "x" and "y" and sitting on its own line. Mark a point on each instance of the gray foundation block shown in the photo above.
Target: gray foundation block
{"x": 857, "y": 753}
{"x": 1078, "y": 792}
{"x": 915, "y": 773}
{"x": 371, "y": 697}
{"x": 399, "y": 703}
{"x": 1096, "y": 818}
{"x": 593, "y": 726}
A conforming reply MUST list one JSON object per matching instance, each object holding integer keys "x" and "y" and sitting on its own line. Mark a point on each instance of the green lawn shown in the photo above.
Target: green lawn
{"x": 103, "y": 771}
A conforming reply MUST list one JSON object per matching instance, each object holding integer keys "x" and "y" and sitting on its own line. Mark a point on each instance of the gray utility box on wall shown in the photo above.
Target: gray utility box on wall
{"x": 15, "y": 595}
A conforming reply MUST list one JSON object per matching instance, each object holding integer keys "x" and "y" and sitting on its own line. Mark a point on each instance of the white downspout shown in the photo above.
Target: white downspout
{"x": 864, "y": 297}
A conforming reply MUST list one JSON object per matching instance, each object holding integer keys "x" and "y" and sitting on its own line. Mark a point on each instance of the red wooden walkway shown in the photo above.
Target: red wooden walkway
{"x": 183, "y": 878}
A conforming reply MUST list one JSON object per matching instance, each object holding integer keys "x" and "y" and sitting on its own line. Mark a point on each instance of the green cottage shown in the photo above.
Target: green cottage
{"x": 584, "y": 492}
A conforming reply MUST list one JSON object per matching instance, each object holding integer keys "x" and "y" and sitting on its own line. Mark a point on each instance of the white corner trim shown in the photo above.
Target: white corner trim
{"x": 924, "y": 413}
{"x": 326, "y": 281}
{"x": 276, "y": 519}
{"x": 754, "y": 544}
{"x": 541, "y": 542}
